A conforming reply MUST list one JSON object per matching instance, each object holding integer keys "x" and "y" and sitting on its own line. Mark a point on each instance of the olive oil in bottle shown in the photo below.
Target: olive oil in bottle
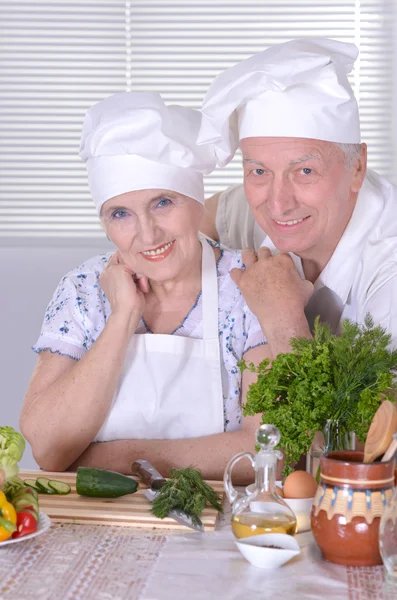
{"x": 260, "y": 510}
{"x": 248, "y": 524}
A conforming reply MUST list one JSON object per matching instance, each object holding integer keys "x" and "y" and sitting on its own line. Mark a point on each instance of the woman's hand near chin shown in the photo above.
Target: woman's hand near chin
{"x": 73, "y": 397}
{"x": 125, "y": 291}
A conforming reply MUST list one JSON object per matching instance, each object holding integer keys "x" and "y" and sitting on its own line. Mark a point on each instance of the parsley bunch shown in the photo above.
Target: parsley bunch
{"x": 327, "y": 377}
{"x": 185, "y": 490}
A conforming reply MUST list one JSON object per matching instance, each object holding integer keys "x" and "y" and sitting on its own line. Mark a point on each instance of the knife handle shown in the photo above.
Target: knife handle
{"x": 148, "y": 474}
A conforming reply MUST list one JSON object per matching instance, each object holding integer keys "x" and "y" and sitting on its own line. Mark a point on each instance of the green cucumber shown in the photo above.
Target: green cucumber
{"x": 42, "y": 484}
{"x": 28, "y": 494}
{"x": 25, "y": 493}
{"x": 22, "y": 503}
{"x": 31, "y": 483}
{"x": 99, "y": 483}
{"x": 47, "y": 486}
{"x": 59, "y": 487}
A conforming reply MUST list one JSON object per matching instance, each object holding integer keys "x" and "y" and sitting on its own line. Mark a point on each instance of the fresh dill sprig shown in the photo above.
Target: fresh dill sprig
{"x": 185, "y": 490}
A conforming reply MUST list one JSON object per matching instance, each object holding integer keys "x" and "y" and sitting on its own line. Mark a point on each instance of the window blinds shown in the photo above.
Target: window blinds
{"x": 58, "y": 58}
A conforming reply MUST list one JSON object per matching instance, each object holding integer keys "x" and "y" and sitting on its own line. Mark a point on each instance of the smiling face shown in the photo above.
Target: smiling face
{"x": 155, "y": 231}
{"x": 300, "y": 192}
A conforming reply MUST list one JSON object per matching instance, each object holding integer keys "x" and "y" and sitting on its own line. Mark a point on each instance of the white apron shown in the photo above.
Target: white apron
{"x": 170, "y": 386}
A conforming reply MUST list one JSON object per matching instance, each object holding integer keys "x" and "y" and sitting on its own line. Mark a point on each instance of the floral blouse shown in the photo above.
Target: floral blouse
{"x": 79, "y": 309}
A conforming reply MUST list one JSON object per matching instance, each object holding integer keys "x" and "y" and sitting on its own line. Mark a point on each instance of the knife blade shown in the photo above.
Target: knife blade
{"x": 155, "y": 480}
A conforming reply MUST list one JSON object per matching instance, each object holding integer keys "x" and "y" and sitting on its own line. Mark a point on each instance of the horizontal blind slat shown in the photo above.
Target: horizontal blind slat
{"x": 61, "y": 57}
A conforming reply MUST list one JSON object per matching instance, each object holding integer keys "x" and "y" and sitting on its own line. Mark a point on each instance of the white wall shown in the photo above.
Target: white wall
{"x": 28, "y": 278}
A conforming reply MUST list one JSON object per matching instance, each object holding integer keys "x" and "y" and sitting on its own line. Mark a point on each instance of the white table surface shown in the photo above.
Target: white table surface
{"x": 91, "y": 562}
{"x": 209, "y": 566}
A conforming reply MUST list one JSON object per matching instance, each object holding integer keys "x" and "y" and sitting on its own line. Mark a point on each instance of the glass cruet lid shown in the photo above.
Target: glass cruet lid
{"x": 267, "y": 438}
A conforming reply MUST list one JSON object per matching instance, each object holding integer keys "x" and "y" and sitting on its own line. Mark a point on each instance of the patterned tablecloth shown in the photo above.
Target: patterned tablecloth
{"x": 90, "y": 562}
{"x": 87, "y": 562}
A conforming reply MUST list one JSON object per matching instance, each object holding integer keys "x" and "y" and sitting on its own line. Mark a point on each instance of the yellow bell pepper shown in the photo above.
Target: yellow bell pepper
{"x": 8, "y": 518}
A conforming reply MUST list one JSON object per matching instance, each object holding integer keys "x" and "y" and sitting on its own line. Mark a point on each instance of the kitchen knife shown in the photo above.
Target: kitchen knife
{"x": 152, "y": 478}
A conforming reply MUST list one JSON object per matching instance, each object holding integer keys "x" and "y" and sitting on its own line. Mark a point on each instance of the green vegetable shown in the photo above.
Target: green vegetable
{"x": 185, "y": 490}
{"x": 328, "y": 377}
{"x": 59, "y": 487}
{"x": 31, "y": 483}
{"x": 13, "y": 485}
{"x": 42, "y": 486}
{"x": 26, "y": 502}
{"x": 25, "y": 499}
{"x": 103, "y": 484}
{"x": 7, "y": 525}
{"x": 23, "y": 493}
{"x": 12, "y": 447}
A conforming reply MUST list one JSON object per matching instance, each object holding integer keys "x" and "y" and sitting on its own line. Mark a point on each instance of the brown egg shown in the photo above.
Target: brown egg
{"x": 279, "y": 491}
{"x": 300, "y": 484}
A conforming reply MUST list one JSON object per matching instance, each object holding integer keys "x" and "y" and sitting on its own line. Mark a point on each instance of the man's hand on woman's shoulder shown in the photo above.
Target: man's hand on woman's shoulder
{"x": 275, "y": 293}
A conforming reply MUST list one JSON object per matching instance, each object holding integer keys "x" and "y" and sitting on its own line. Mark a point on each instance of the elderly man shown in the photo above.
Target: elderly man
{"x": 331, "y": 225}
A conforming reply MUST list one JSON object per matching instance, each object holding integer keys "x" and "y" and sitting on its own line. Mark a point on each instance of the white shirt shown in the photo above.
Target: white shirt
{"x": 79, "y": 309}
{"x": 361, "y": 276}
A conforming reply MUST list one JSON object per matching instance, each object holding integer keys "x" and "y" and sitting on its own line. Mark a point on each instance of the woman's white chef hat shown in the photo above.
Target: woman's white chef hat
{"x": 133, "y": 141}
{"x": 296, "y": 89}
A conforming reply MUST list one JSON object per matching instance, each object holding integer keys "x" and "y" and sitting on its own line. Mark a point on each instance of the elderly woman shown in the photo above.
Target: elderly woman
{"x": 138, "y": 352}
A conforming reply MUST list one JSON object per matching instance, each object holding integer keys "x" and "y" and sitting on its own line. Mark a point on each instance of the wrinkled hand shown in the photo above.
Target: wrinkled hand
{"x": 124, "y": 289}
{"x": 272, "y": 286}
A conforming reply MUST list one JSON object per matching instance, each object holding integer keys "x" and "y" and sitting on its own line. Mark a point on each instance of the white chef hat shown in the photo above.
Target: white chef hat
{"x": 296, "y": 89}
{"x": 133, "y": 141}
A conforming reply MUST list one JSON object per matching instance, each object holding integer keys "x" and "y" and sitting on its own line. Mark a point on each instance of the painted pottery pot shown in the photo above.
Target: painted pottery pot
{"x": 347, "y": 507}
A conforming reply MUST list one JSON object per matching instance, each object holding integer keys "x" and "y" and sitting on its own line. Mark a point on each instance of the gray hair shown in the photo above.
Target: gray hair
{"x": 352, "y": 152}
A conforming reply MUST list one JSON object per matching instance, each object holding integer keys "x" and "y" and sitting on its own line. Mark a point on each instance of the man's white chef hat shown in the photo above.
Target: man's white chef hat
{"x": 296, "y": 89}
{"x": 133, "y": 141}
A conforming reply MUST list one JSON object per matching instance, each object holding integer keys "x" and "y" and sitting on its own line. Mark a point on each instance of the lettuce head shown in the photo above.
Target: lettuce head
{"x": 12, "y": 447}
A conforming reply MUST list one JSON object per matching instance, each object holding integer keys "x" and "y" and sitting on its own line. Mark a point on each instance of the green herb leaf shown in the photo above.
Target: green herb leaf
{"x": 326, "y": 377}
{"x": 187, "y": 491}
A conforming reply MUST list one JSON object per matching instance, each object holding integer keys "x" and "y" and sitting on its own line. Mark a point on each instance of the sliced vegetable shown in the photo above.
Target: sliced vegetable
{"x": 24, "y": 493}
{"x": 7, "y": 528}
{"x": 43, "y": 486}
{"x": 31, "y": 483}
{"x": 33, "y": 491}
{"x": 26, "y": 523}
{"x": 27, "y": 502}
{"x": 8, "y": 518}
{"x": 59, "y": 487}
{"x": 32, "y": 511}
{"x": 100, "y": 483}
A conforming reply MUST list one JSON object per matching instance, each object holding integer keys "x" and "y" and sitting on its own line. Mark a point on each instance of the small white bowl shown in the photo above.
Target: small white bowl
{"x": 258, "y": 551}
{"x": 302, "y": 508}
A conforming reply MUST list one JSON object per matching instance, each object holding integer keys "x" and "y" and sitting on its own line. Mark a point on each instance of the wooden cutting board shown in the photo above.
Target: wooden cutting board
{"x": 132, "y": 510}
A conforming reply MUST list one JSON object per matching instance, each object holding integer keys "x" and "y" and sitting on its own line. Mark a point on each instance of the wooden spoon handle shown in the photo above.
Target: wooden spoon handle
{"x": 380, "y": 433}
